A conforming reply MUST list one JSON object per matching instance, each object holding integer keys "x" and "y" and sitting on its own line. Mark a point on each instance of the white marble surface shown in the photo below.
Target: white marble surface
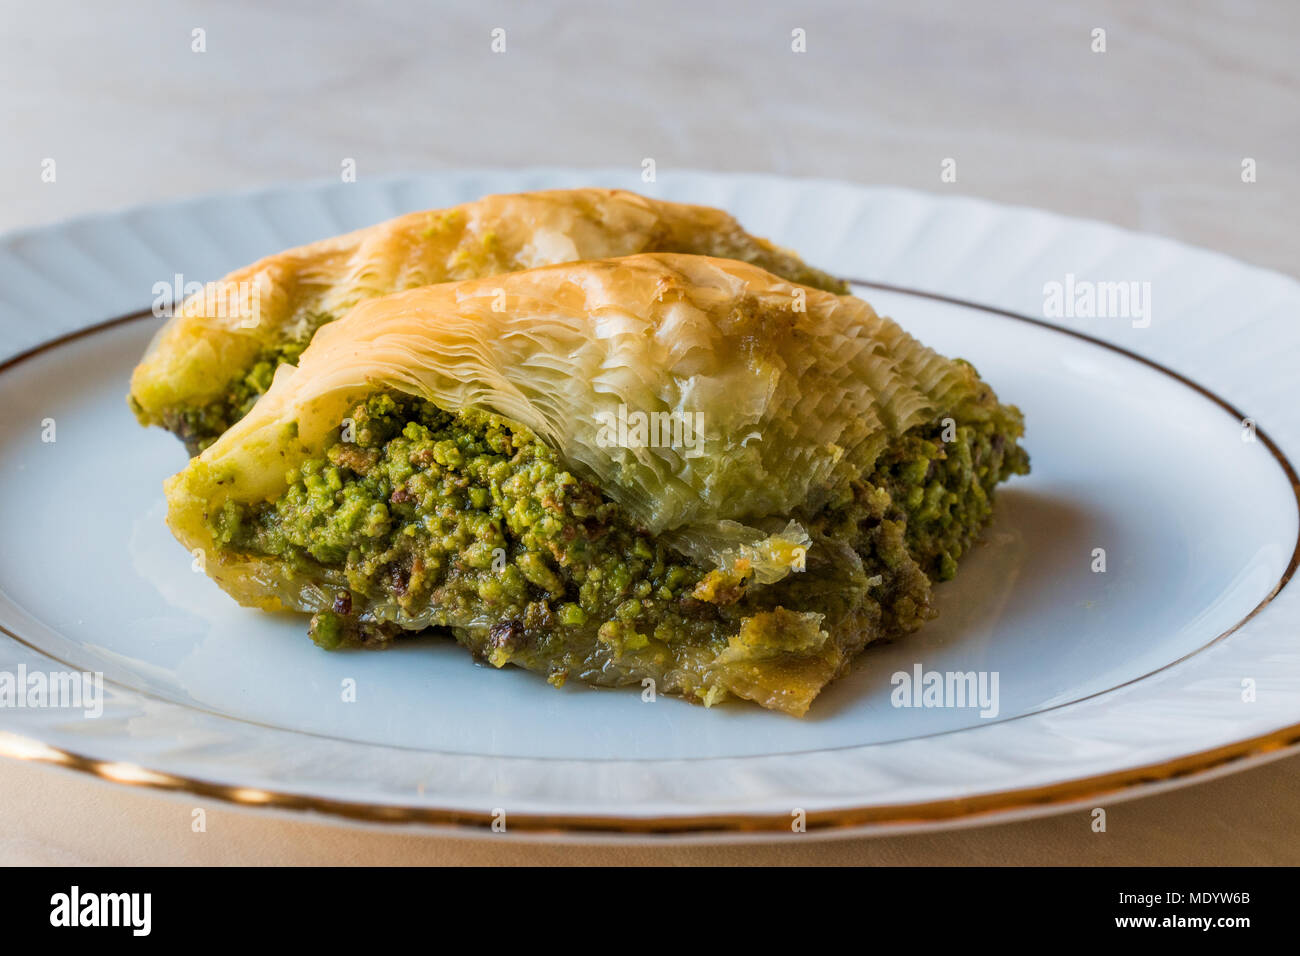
{"x": 1150, "y": 134}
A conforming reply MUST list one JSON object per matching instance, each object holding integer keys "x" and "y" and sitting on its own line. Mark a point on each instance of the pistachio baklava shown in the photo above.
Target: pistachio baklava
{"x": 669, "y": 469}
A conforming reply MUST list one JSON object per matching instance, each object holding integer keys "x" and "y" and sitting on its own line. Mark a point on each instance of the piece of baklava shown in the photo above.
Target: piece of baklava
{"x": 216, "y": 356}
{"x": 662, "y": 468}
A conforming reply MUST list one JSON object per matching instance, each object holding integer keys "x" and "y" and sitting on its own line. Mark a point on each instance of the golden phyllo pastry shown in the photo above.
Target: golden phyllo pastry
{"x": 218, "y": 353}
{"x": 665, "y": 470}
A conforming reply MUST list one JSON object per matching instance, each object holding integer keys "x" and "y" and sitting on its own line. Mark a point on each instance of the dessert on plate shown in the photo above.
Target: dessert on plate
{"x": 682, "y": 469}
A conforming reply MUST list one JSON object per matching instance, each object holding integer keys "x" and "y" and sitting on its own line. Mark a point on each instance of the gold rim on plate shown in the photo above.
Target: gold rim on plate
{"x": 989, "y": 806}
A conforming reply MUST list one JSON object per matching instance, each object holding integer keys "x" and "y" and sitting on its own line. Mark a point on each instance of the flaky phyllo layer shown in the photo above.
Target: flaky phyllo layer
{"x": 212, "y": 360}
{"x": 443, "y": 458}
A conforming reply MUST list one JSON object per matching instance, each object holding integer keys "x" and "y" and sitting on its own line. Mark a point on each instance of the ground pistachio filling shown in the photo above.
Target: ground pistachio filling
{"x": 198, "y": 426}
{"x": 465, "y": 521}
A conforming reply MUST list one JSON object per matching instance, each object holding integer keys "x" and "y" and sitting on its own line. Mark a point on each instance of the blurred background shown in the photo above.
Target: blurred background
{"x": 145, "y": 101}
{"x": 1149, "y": 134}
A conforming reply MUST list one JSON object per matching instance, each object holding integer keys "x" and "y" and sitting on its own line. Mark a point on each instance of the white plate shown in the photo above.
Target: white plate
{"x": 1108, "y": 682}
